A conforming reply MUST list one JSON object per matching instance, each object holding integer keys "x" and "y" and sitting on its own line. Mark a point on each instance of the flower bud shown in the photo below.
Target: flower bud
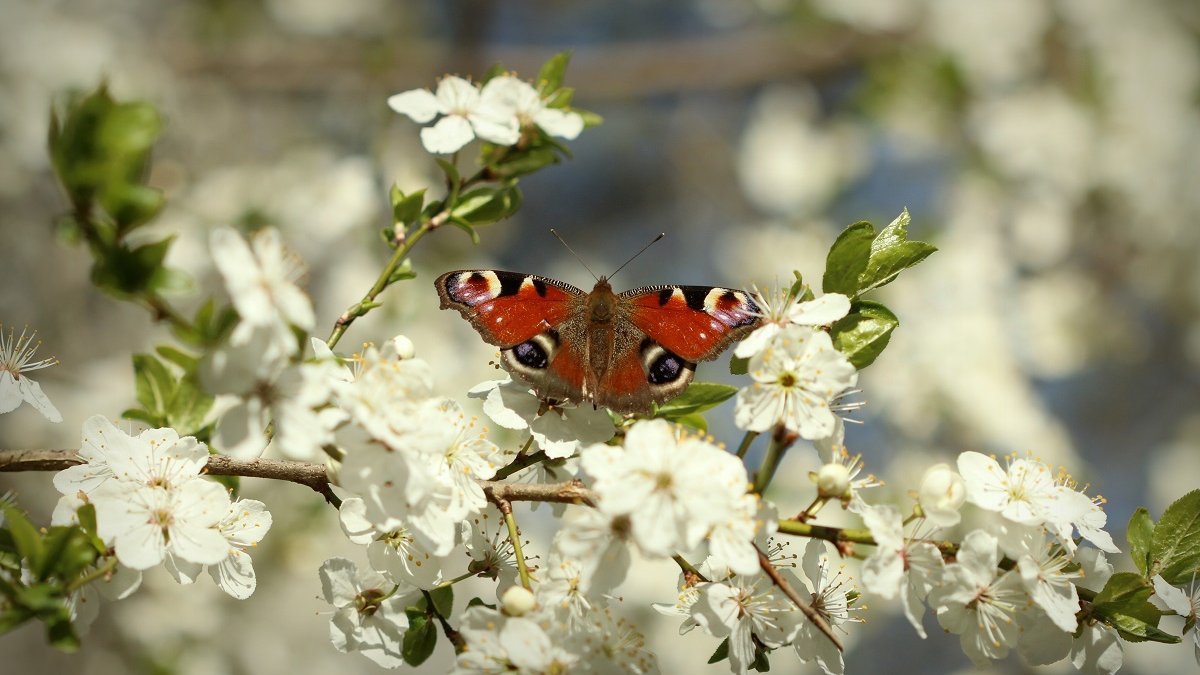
{"x": 833, "y": 481}
{"x": 518, "y": 601}
{"x": 942, "y": 493}
{"x": 401, "y": 347}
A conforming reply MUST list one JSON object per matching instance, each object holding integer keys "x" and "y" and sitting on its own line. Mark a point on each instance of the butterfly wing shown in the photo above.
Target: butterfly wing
{"x": 533, "y": 320}
{"x": 695, "y": 322}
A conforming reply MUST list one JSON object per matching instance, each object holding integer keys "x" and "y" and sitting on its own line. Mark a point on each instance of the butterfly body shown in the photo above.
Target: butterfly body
{"x": 622, "y": 351}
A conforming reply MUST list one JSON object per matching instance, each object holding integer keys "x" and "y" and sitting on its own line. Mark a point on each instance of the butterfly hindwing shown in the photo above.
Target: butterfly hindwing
{"x": 695, "y": 322}
{"x": 507, "y": 308}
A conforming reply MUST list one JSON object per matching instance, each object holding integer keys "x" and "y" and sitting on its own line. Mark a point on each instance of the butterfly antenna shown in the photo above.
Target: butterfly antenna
{"x": 568, "y": 246}
{"x": 635, "y": 255}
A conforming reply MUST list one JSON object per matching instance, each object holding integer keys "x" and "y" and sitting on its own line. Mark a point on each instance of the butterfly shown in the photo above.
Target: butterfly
{"x": 623, "y": 351}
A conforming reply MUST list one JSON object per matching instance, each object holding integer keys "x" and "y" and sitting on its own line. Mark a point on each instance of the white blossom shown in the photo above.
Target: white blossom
{"x": 598, "y": 542}
{"x": 1024, "y": 493}
{"x": 530, "y": 109}
{"x": 1186, "y": 605}
{"x": 829, "y": 589}
{"x": 558, "y": 430}
{"x": 496, "y": 643}
{"x": 16, "y": 359}
{"x": 260, "y": 277}
{"x": 742, "y": 610}
{"x": 368, "y": 614}
{"x": 795, "y": 379}
{"x": 673, "y": 487}
{"x": 466, "y": 114}
{"x": 395, "y": 552}
{"x": 976, "y": 605}
{"x": 1045, "y": 574}
{"x": 490, "y": 550}
{"x": 899, "y": 565}
{"x": 146, "y": 524}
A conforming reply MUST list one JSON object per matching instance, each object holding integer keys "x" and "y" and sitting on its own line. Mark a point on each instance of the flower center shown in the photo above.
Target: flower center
{"x": 787, "y": 380}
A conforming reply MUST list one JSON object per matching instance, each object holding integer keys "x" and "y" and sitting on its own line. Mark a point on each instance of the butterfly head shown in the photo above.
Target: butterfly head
{"x": 602, "y": 302}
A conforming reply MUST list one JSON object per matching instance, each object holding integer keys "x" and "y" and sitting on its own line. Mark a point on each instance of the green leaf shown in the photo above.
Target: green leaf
{"x": 60, "y": 633}
{"x": 25, "y": 536}
{"x": 525, "y": 162}
{"x": 892, "y": 253}
{"x": 761, "y": 663}
{"x": 449, "y": 169}
{"x": 154, "y": 383}
{"x": 406, "y": 209}
{"x": 722, "y": 652}
{"x": 862, "y": 334}
{"x": 697, "y": 398}
{"x": 487, "y": 205}
{"x": 443, "y": 600}
{"x": 419, "y": 639}
{"x": 550, "y": 77}
{"x": 696, "y": 421}
{"x": 1140, "y": 534}
{"x": 847, "y": 259}
{"x": 739, "y": 366}
{"x": 590, "y": 119}
{"x": 124, "y": 271}
{"x": 188, "y": 406}
{"x": 861, "y": 259}
{"x": 1124, "y": 604}
{"x": 479, "y": 601}
{"x": 184, "y": 360}
{"x": 1175, "y": 551}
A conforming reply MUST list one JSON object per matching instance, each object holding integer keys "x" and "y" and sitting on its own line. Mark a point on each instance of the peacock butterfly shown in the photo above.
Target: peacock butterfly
{"x": 621, "y": 351}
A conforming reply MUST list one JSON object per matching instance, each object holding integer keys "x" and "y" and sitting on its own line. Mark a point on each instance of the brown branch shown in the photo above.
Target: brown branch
{"x": 812, "y": 614}
{"x": 302, "y": 473}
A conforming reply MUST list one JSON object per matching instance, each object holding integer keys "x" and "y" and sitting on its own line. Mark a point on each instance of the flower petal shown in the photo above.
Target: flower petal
{"x": 420, "y": 105}
{"x": 449, "y": 135}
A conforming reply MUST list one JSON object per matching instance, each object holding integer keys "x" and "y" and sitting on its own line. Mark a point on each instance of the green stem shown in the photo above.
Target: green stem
{"x": 98, "y": 573}
{"x": 515, "y": 537}
{"x": 766, "y": 471}
{"x": 521, "y": 462}
{"x": 455, "y": 580}
{"x": 385, "y": 278}
{"x": 744, "y": 447}
{"x": 687, "y": 567}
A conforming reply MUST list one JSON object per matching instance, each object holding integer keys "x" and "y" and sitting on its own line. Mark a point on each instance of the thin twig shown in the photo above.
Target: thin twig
{"x": 811, "y": 614}
{"x": 514, "y": 535}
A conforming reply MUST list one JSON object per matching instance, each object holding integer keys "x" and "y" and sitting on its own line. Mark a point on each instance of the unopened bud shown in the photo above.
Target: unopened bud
{"x": 401, "y": 347}
{"x": 833, "y": 481}
{"x": 518, "y": 601}
{"x": 942, "y": 494}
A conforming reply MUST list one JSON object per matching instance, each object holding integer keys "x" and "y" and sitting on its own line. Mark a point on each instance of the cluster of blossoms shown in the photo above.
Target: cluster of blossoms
{"x": 497, "y": 112}
{"x": 798, "y": 374}
{"x": 154, "y": 507}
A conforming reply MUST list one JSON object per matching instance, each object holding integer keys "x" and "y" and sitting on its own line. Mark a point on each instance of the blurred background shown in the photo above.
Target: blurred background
{"x": 1050, "y": 149}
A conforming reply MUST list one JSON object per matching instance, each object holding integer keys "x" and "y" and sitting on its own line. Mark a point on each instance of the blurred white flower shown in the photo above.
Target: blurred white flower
{"x": 746, "y": 611}
{"x": 558, "y": 430}
{"x": 973, "y": 603}
{"x": 16, "y": 358}
{"x": 497, "y": 643}
{"x": 529, "y": 107}
{"x": 146, "y": 524}
{"x": 994, "y": 42}
{"x": 789, "y": 162}
{"x": 941, "y": 495}
{"x": 795, "y": 379}
{"x": 598, "y": 542}
{"x": 565, "y": 592}
{"x": 779, "y": 310}
{"x": 899, "y": 565}
{"x": 260, "y": 277}
{"x": 518, "y": 601}
{"x": 673, "y": 487}
{"x": 466, "y": 114}
{"x": 368, "y": 614}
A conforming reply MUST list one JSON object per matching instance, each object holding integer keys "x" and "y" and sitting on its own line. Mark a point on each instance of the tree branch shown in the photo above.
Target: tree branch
{"x": 811, "y": 614}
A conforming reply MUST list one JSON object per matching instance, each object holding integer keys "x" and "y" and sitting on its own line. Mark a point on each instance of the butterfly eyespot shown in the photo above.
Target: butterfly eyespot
{"x": 666, "y": 368}
{"x": 531, "y": 355}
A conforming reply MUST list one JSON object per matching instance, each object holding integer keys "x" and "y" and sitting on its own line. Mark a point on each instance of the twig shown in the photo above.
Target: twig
{"x": 810, "y": 613}
{"x": 514, "y": 535}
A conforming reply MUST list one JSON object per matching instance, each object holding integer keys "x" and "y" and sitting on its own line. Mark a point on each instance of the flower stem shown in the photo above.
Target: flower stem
{"x": 98, "y": 573}
{"x": 781, "y": 440}
{"x": 690, "y": 572}
{"x": 514, "y": 536}
{"x": 521, "y": 462}
{"x": 455, "y": 580}
{"x": 744, "y": 447}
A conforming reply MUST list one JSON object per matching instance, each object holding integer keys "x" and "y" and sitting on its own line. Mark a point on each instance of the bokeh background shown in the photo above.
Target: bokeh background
{"x": 1051, "y": 149}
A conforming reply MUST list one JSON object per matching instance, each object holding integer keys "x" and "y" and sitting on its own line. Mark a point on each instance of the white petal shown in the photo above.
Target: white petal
{"x": 457, "y": 95}
{"x": 497, "y": 127}
{"x": 419, "y": 104}
{"x": 1175, "y": 599}
{"x": 559, "y": 123}
{"x": 337, "y": 582}
{"x": 449, "y": 135}
{"x": 1098, "y": 650}
{"x": 820, "y": 311}
{"x": 235, "y": 575}
{"x": 10, "y": 392}
{"x": 32, "y": 392}
{"x": 241, "y": 430}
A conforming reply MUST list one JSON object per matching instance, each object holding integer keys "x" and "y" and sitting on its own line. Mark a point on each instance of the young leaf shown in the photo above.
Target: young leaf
{"x": 419, "y": 639}
{"x": 892, "y": 253}
{"x": 697, "y": 398}
{"x": 847, "y": 259}
{"x": 1123, "y": 603}
{"x": 1140, "y": 534}
{"x": 722, "y": 652}
{"x": 550, "y": 77}
{"x": 443, "y": 600}
{"x": 862, "y": 334}
{"x": 25, "y": 536}
{"x": 406, "y": 208}
{"x": 1175, "y": 550}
